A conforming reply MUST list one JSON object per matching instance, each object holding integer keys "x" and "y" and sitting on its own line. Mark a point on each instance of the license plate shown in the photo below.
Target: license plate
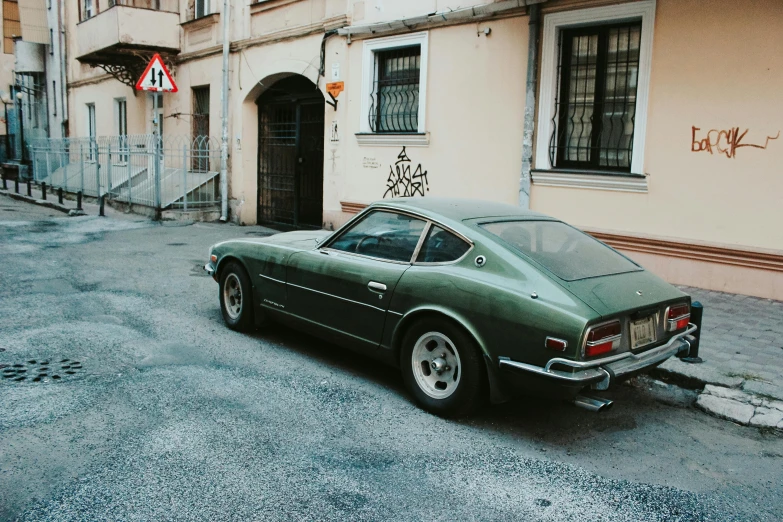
{"x": 642, "y": 332}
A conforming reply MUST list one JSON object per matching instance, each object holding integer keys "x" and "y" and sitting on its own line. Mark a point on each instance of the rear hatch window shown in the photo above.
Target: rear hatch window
{"x": 563, "y": 250}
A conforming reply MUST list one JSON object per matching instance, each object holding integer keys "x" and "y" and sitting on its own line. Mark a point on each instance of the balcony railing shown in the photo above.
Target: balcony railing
{"x": 92, "y": 8}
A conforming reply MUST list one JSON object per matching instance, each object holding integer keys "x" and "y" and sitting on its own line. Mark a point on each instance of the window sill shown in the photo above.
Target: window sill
{"x": 394, "y": 140}
{"x": 618, "y": 182}
{"x": 198, "y": 23}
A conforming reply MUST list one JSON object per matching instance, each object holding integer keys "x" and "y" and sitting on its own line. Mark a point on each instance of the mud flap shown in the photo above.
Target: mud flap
{"x": 496, "y": 393}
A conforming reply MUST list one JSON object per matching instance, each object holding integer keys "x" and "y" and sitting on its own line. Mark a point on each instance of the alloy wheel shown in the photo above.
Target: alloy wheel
{"x": 436, "y": 365}
{"x": 232, "y": 296}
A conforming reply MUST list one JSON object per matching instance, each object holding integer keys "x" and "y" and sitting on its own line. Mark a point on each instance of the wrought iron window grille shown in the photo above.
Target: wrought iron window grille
{"x": 595, "y": 105}
{"x": 394, "y": 99}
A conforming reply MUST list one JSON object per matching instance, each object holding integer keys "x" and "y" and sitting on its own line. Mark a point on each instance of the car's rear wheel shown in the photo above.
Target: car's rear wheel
{"x": 442, "y": 368}
{"x": 236, "y": 297}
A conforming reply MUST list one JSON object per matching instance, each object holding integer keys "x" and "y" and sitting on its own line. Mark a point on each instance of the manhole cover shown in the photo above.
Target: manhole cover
{"x": 41, "y": 370}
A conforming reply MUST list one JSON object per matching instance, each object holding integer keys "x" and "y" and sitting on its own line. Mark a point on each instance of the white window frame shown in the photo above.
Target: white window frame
{"x": 553, "y": 24}
{"x": 120, "y": 125}
{"x": 369, "y": 50}
{"x": 121, "y": 116}
{"x": 92, "y": 131}
{"x": 204, "y": 11}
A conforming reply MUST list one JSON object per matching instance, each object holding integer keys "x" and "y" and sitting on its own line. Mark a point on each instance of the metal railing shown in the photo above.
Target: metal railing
{"x": 169, "y": 172}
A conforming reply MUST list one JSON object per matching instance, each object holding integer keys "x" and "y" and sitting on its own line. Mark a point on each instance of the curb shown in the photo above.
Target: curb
{"x": 741, "y": 407}
{"x": 43, "y": 203}
{"x": 736, "y": 399}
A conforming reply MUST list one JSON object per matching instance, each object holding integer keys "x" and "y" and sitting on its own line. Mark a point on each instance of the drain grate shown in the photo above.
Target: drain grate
{"x": 42, "y": 370}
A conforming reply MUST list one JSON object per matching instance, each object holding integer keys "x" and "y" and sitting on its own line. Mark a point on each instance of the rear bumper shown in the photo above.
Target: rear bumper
{"x": 602, "y": 372}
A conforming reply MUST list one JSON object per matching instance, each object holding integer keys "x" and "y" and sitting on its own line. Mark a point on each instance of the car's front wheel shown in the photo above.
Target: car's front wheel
{"x": 442, "y": 368}
{"x": 236, "y": 297}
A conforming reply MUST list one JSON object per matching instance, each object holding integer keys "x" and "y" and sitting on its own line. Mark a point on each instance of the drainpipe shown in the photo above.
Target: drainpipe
{"x": 530, "y": 106}
{"x": 224, "y": 118}
{"x": 63, "y": 68}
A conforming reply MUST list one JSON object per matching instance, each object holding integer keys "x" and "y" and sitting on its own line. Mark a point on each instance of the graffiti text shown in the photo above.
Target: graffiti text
{"x": 401, "y": 183}
{"x": 724, "y": 142}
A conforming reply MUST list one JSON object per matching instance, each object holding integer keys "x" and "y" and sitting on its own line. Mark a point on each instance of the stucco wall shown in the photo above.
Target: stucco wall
{"x": 252, "y": 72}
{"x": 716, "y": 66}
{"x": 103, "y": 95}
{"x": 474, "y": 113}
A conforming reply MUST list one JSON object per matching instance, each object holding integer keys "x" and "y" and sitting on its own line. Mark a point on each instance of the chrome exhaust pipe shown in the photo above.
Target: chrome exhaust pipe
{"x": 592, "y": 403}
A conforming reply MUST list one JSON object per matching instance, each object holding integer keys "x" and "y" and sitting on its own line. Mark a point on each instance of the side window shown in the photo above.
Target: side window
{"x": 441, "y": 246}
{"x": 381, "y": 234}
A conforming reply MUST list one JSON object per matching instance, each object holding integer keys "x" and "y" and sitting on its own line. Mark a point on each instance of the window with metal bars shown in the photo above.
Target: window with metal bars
{"x": 595, "y": 107}
{"x": 394, "y": 99}
{"x": 200, "y": 128}
{"x": 200, "y": 117}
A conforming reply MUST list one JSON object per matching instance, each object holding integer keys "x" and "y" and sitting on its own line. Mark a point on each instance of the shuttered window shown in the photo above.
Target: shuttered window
{"x": 11, "y": 25}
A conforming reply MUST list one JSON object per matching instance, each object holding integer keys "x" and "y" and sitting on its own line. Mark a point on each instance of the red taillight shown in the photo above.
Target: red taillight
{"x": 558, "y": 345}
{"x": 677, "y": 317}
{"x": 603, "y": 338}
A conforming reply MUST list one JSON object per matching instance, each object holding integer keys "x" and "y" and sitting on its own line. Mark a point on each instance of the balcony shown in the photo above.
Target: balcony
{"x": 126, "y": 29}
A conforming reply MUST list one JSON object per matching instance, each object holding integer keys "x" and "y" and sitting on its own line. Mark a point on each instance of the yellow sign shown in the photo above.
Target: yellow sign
{"x": 335, "y": 88}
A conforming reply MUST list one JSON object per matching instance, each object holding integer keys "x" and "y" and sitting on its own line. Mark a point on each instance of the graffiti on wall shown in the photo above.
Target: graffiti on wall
{"x": 724, "y": 141}
{"x": 401, "y": 182}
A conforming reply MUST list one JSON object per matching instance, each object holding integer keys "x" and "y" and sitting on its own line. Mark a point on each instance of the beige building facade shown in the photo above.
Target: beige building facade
{"x": 654, "y": 125}
{"x": 12, "y": 28}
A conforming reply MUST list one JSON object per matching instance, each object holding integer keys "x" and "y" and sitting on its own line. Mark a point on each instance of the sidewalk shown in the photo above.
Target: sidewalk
{"x": 90, "y": 205}
{"x": 742, "y": 348}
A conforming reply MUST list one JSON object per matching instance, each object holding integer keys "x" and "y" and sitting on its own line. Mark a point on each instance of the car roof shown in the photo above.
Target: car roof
{"x": 461, "y": 209}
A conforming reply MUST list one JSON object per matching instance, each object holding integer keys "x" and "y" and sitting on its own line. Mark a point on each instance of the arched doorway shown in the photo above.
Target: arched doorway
{"x": 291, "y": 154}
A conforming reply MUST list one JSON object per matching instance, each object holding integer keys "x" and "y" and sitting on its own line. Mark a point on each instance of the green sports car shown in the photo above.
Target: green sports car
{"x": 470, "y": 299}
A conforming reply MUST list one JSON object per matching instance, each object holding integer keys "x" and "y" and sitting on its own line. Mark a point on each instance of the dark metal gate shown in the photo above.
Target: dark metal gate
{"x": 291, "y": 154}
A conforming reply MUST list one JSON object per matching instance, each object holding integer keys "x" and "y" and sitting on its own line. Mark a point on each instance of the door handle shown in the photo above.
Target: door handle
{"x": 376, "y": 287}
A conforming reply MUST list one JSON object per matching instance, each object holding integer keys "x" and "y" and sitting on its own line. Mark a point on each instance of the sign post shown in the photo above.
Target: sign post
{"x": 157, "y": 79}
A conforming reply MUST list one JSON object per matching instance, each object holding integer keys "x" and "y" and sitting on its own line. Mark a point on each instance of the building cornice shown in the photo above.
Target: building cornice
{"x": 294, "y": 32}
{"x": 495, "y": 10}
{"x": 287, "y": 34}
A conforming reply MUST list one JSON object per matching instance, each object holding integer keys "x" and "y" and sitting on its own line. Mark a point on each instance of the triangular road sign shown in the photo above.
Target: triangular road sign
{"x": 156, "y": 77}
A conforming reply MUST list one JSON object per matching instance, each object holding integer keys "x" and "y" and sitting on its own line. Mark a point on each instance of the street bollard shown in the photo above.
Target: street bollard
{"x": 16, "y": 185}
{"x": 29, "y": 189}
{"x": 60, "y": 195}
{"x": 79, "y": 200}
{"x": 43, "y": 190}
{"x": 5, "y": 186}
{"x": 100, "y": 205}
{"x": 697, "y": 311}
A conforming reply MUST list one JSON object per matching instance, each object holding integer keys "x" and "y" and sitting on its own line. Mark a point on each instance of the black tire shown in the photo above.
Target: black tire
{"x": 469, "y": 391}
{"x": 237, "y": 314}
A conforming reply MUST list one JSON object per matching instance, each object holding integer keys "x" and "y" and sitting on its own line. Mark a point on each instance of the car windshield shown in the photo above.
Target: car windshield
{"x": 563, "y": 250}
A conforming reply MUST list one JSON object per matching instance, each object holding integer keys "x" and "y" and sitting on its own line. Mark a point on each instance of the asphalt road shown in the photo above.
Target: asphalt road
{"x": 168, "y": 415}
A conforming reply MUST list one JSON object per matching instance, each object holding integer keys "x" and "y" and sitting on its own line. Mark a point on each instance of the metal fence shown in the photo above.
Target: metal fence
{"x": 169, "y": 172}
